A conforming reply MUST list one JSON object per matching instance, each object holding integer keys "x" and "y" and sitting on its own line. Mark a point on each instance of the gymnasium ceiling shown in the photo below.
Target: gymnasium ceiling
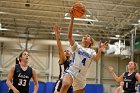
{"x": 34, "y": 19}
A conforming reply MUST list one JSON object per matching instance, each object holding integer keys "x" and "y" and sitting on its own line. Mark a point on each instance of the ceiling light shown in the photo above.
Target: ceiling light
{"x": 117, "y": 35}
{"x": 67, "y": 34}
{"x": 2, "y": 12}
{"x": 66, "y": 14}
{"x": 81, "y": 19}
{"x": 88, "y": 15}
{"x": 77, "y": 35}
{"x": 77, "y": 31}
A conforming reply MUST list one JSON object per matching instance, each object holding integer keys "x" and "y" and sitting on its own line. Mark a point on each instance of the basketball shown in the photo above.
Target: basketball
{"x": 78, "y": 10}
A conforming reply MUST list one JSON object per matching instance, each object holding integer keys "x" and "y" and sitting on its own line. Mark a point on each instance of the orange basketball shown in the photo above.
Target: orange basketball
{"x": 78, "y": 10}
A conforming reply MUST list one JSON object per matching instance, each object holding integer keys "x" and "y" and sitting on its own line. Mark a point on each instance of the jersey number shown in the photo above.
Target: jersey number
{"x": 22, "y": 82}
{"x": 83, "y": 61}
{"x": 126, "y": 85}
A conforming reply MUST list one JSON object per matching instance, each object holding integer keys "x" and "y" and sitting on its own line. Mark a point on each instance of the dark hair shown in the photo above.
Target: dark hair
{"x": 21, "y": 55}
{"x": 17, "y": 61}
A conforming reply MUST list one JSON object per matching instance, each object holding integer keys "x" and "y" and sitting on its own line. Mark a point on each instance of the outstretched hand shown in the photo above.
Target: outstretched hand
{"x": 103, "y": 46}
{"x": 110, "y": 68}
{"x": 56, "y": 29}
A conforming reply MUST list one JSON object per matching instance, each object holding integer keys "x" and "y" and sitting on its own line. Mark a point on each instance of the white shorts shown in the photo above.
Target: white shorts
{"x": 79, "y": 80}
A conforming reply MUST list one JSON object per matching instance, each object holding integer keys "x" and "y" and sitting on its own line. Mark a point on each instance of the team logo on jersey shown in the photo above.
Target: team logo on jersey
{"x": 22, "y": 76}
{"x": 81, "y": 52}
{"x": 128, "y": 80}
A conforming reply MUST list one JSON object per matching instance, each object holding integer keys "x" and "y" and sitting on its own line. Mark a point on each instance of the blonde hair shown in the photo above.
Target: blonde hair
{"x": 92, "y": 42}
{"x": 136, "y": 66}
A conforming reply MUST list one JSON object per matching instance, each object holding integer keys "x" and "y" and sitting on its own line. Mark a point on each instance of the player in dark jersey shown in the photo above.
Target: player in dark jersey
{"x": 129, "y": 77}
{"x": 21, "y": 75}
{"x": 64, "y": 61}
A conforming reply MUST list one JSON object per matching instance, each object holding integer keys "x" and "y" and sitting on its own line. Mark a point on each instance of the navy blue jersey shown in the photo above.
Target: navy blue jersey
{"x": 129, "y": 82}
{"x": 63, "y": 67}
{"x": 21, "y": 79}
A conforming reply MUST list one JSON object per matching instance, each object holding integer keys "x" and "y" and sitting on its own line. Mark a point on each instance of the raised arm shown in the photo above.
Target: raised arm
{"x": 97, "y": 56}
{"x": 70, "y": 30}
{"x": 34, "y": 77}
{"x": 9, "y": 79}
{"x": 118, "y": 79}
{"x": 62, "y": 56}
{"x": 100, "y": 49}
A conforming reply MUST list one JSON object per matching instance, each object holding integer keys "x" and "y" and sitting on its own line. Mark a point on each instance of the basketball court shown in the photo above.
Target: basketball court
{"x": 28, "y": 24}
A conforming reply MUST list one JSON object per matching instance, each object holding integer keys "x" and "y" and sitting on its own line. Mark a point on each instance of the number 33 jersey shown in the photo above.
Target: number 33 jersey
{"x": 82, "y": 57}
{"x": 21, "y": 79}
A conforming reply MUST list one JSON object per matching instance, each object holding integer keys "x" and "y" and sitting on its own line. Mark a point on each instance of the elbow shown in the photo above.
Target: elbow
{"x": 70, "y": 34}
{"x": 117, "y": 80}
{"x": 37, "y": 85}
{"x": 69, "y": 37}
{"x": 96, "y": 59}
{"x": 62, "y": 61}
{"x": 7, "y": 81}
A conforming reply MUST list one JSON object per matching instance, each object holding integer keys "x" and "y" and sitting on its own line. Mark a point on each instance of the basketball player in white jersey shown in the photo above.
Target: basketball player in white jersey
{"x": 82, "y": 57}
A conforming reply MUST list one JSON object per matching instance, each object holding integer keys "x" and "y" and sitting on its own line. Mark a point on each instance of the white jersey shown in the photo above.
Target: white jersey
{"x": 82, "y": 57}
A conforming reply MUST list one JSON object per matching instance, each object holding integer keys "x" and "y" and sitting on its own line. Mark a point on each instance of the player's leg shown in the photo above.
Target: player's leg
{"x": 80, "y": 91}
{"x": 57, "y": 86}
{"x": 79, "y": 84}
{"x": 67, "y": 82}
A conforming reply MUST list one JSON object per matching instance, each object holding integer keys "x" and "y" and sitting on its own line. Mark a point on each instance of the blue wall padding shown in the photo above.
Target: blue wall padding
{"x": 94, "y": 88}
{"x": 48, "y": 87}
{"x": 42, "y": 87}
{"x": 139, "y": 87}
{"x": 3, "y": 87}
